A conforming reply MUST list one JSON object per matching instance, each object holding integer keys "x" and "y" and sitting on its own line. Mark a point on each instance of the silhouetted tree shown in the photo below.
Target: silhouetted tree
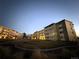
{"x": 24, "y": 35}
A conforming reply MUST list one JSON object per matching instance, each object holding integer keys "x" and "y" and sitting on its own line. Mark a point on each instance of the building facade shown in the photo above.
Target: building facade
{"x": 51, "y": 32}
{"x": 62, "y": 30}
{"x": 38, "y": 35}
{"x": 7, "y": 33}
{"x": 41, "y": 35}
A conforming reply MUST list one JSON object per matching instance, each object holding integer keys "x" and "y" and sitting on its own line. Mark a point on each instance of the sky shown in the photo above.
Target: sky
{"x": 33, "y": 15}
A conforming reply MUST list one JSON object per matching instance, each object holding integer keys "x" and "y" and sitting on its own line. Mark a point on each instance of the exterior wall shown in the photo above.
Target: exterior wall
{"x": 70, "y": 31}
{"x": 29, "y": 37}
{"x": 33, "y": 36}
{"x": 62, "y": 30}
{"x": 38, "y": 35}
{"x": 41, "y": 35}
{"x": 51, "y": 32}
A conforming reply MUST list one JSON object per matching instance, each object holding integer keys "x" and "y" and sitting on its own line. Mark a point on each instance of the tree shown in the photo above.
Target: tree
{"x": 24, "y": 35}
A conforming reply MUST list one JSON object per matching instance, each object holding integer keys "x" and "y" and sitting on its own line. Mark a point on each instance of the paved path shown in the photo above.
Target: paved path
{"x": 45, "y": 49}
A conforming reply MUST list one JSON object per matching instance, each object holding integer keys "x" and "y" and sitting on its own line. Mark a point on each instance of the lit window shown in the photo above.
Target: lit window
{"x": 5, "y": 36}
{"x": 13, "y": 38}
{"x": 5, "y": 30}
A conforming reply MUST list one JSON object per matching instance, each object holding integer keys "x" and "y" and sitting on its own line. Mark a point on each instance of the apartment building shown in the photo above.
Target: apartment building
{"x": 41, "y": 35}
{"x": 7, "y": 33}
{"x": 38, "y": 35}
{"x": 62, "y": 30}
{"x": 51, "y": 32}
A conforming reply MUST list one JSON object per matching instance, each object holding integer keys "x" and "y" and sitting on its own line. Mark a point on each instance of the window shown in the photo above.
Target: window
{"x": 47, "y": 33}
{"x": 61, "y": 32}
{"x": 47, "y": 37}
{"x": 61, "y": 29}
{"x": 60, "y": 25}
{"x": 62, "y": 36}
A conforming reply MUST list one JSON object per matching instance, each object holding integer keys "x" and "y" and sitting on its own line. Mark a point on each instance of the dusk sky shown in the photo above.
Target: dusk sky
{"x": 33, "y": 15}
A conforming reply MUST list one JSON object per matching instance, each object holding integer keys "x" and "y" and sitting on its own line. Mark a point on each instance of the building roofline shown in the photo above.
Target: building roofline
{"x": 57, "y": 23}
{"x": 9, "y": 28}
{"x": 49, "y": 25}
{"x": 64, "y": 20}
